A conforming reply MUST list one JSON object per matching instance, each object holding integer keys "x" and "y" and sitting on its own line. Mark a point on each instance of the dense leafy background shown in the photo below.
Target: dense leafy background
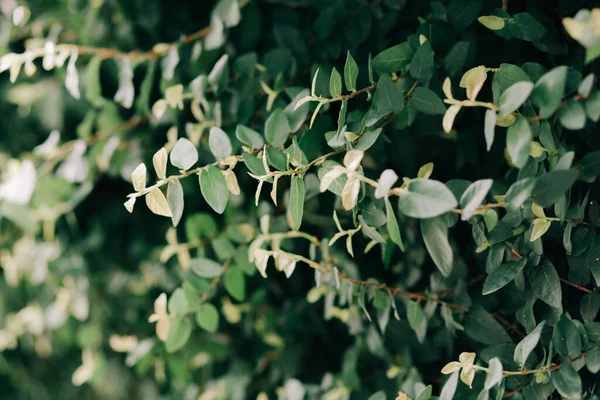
{"x": 451, "y": 268}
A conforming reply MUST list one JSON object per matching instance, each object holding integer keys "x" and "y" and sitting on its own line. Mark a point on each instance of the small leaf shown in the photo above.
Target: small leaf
{"x": 138, "y": 178}
{"x": 352, "y": 159}
{"x": 514, "y": 97}
{"x": 545, "y": 284}
{"x": 566, "y": 339}
{"x": 473, "y": 196}
{"x": 296, "y": 208}
{"x": 335, "y": 83}
{"x": 540, "y": 226}
{"x": 567, "y": 382}
{"x": 219, "y": 143}
{"x": 235, "y": 283}
{"x": 527, "y": 344}
{"x": 214, "y": 188}
{"x": 491, "y": 22}
{"x": 427, "y": 102}
{"x": 549, "y": 91}
{"x": 205, "y": 268}
{"x": 277, "y": 128}
{"x": 474, "y": 80}
{"x": 392, "y": 224}
{"x": 416, "y": 319}
{"x": 549, "y": 187}
{"x": 159, "y": 160}
{"x": 350, "y": 193}
{"x": 157, "y": 203}
{"x": 249, "y": 137}
{"x": 449, "y": 117}
{"x": 175, "y": 201}
{"x": 207, "y": 317}
{"x": 179, "y": 333}
{"x": 421, "y": 65}
{"x": 184, "y": 155}
{"x": 494, "y": 375}
{"x": 518, "y": 141}
{"x": 435, "y": 236}
{"x": 393, "y": 59}
{"x": 489, "y": 128}
{"x": 350, "y": 73}
{"x": 426, "y": 198}
{"x": 589, "y": 307}
{"x": 502, "y": 276}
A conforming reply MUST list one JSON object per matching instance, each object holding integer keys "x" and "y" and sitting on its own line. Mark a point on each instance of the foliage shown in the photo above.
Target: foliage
{"x": 413, "y": 181}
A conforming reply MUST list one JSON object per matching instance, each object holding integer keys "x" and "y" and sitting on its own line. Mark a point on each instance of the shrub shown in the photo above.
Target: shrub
{"x": 343, "y": 199}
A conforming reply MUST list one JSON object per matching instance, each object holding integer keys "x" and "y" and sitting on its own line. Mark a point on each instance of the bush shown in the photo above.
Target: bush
{"x": 346, "y": 199}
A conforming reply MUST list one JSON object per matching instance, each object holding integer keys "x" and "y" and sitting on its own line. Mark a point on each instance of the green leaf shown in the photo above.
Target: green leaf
{"x": 590, "y": 164}
{"x": 518, "y": 193}
{"x": 235, "y": 283}
{"x": 416, "y": 319}
{"x": 249, "y": 137}
{"x": 421, "y": 66}
{"x": 509, "y": 74}
{"x": 426, "y": 393}
{"x": 219, "y": 143}
{"x": 426, "y": 198}
{"x": 296, "y": 208}
{"x": 93, "y": 86}
{"x": 177, "y": 303}
{"x": 567, "y": 382}
{"x": 565, "y": 338}
{"x": 589, "y": 307}
{"x": 207, "y": 317}
{"x": 456, "y": 57}
{"x": 592, "y": 360}
{"x": 205, "y": 267}
{"x": 335, "y": 83}
{"x": 540, "y": 226}
{"x": 380, "y": 395}
{"x": 549, "y": 187}
{"x": 482, "y": 327}
{"x": 518, "y": 141}
{"x": 502, "y": 275}
{"x": 184, "y": 155}
{"x": 393, "y": 59}
{"x": 489, "y": 128}
{"x": 179, "y": 333}
{"x": 494, "y": 375}
{"x": 549, "y": 91}
{"x": 449, "y": 387}
{"x": 572, "y": 116}
{"x": 350, "y": 72}
{"x": 545, "y": 284}
{"x": 473, "y": 196}
{"x": 435, "y": 236}
{"x": 277, "y": 128}
{"x": 219, "y": 75}
{"x": 175, "y": 201}
{"x": 525, "y": 27}
{"x": 214, "y": 188}
{"x": 592, "y": 106}
{"x": 527, "y": 344}
{"x": 427, "y": 102}
{"x": 392, "y": 224}
{"x": 514, "y": 97}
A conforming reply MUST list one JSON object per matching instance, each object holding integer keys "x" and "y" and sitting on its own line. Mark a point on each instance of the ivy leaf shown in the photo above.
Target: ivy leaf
{"x": 527, "y": 344}
{"x": 545, "y": 284}
{"x": 549, "y": 187}
{"x": 566, "y": 338}
{"x": 350, "y": 73}
{"x": 296, "y": 208}
{"x": 393, "y": 59}
{"x": 205, "y": 267}
{"x": 549, "y": 90}
{"x": 416, "y": 319}
{"x": 392, "y": 224}
{"x": 427, "y": 102}
{"x": 207, "y": 317}
{"x": 473, "y": 196}
{"x": 277, "y": 128}
{"x": 175, "y": 201}
{"x": 249, "y": 137}
{"x": 518, "y": 141}
{"x": 179, "y": 334}
{"x": 514, "y": 97}
{"x": 184, "y": 155}
{"x": 502, "y": 276}
{"x": 335, "y": 83}
{"x": 435, "y": 236}
{"x": 421, "y": 66}
{"x": 219, "y": 143}
{"x": 214, "y": 188}
{"x": 426, "y": 198}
